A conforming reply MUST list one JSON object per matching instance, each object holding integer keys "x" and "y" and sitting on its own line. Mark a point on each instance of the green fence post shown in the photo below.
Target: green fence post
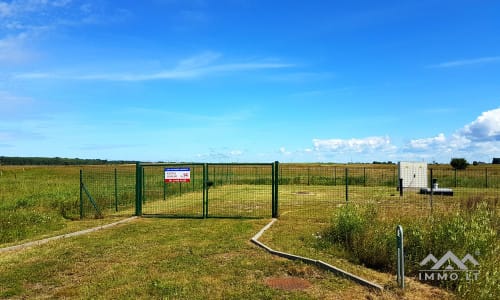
{"x": 273, "y": 204}
{"x": 486, "y": 175}
{"x": 138, "y": 189}
{"x": 116, "y": 191}
{"x": 276, "y": 188}
{"x": 81, "y": 194}
{"x": 164, "y": 190}
{"x": 205, "y": 190}
{"x": 455, "y": 177}
{"x": 401, "y": 259}
{"x": 347, "y": 185}
{"x": 192, "y": 178}
{"x": 143, "y": 188}
{"x": 334, "y": 175}
{"x": 432, "y": 191}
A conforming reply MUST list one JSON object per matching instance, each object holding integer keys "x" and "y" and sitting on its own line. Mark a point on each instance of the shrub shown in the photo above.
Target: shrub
{"x": 459, "y": 163}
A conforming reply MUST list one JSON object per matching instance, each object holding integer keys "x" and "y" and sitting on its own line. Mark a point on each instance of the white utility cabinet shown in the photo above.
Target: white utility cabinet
{"x": 414, "y": 174}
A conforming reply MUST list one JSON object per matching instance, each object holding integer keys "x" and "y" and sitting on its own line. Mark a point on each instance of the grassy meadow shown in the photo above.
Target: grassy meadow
{"x": 195, "y": 258}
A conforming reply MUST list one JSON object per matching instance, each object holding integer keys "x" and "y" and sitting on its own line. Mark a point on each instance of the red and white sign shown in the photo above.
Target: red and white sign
{"x": 177, "y": 175}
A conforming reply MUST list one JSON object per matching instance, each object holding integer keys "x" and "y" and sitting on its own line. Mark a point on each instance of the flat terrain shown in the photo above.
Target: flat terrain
{"x": 178, "y": 259}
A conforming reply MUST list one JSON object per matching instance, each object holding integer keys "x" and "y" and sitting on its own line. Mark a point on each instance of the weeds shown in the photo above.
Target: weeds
{"x": 370, "y": 240}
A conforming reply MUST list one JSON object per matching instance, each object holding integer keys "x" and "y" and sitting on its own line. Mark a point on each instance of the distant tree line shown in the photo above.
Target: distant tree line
{"x": 6, "y": 160}
{"x": 383, "y": 162}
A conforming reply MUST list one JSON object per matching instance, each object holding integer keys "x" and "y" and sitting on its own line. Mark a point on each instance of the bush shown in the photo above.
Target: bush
{"x": 459, "y": 163}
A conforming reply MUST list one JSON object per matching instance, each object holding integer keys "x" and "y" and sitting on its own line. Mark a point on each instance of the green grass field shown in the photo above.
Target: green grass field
{"x": 196, "y": 258}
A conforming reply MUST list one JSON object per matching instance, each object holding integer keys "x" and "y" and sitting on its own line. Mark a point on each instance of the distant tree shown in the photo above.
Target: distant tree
{"x": 496, "y": 161}
{"x": 459, "y": 163}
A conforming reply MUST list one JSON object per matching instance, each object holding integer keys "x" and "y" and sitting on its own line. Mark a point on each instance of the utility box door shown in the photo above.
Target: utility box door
{"x": 414, "y": 174}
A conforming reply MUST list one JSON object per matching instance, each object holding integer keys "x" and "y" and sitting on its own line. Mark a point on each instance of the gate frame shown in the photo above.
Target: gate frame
{"x": 139, "y": 183}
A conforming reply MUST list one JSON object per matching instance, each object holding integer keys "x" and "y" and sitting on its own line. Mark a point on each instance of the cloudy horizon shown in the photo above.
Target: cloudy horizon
{"x": 237, "y": 81}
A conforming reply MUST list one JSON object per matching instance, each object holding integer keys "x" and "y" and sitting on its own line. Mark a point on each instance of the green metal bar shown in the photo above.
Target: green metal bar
{"x": 276, "y": 188}
{"x": 205, "y": 191}
{"x": 401, "y": 258}
{"x": 334, "y": 175}
{"x": 169, "y": 164}
{"x": 432, "y": 192}
{"x": 346, "y": 185}
{"x": 143, "y": 176}
{"x": 92, "y": 201}
{"x": 116, "y": 191}
{"x": 455, "y": 177}
{"x": 138, "y": 189}
{"x": 164, "y": 190}
{"x": 273, "y": 200}
{"x": 81, "y": 194}
{"x": 486, "y": 175}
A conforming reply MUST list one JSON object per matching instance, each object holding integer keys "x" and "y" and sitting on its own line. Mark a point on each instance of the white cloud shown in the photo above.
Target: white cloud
{"x": 467, "y": 62}
{"x": 353, "y": 145}
{"x": 193, "y": 67}
{"x": 428, "y": 143}
{"x": 221, "y": 155}
{"x": 485, "y": 128}
{"x": 284, "y": 151}
{"x": 477, "y": 140}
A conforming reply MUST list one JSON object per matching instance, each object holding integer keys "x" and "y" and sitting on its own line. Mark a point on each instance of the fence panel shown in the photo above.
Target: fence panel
{"x": 310, "y": 190}
{"x": 240, "y": 190}
{"x": 176, "y": 199}
{"x": 107, "y": 190}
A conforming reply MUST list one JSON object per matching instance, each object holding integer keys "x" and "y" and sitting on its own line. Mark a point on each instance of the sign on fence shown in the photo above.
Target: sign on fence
{"x": 177, "y": 174}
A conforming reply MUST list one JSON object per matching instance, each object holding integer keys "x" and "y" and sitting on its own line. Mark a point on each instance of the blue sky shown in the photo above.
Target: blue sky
{"x": 250, "y": 81}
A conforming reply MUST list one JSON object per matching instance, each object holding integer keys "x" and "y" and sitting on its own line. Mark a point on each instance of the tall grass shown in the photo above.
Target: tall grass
{"x": 36, "y": 201}
{"x": 368, "y": 237}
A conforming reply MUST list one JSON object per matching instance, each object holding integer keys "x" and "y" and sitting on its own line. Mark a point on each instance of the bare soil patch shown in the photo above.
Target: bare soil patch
{"x": 288, "y": 283}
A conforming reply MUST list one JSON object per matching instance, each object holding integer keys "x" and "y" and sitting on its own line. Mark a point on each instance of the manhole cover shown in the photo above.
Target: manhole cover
{"x": 303, "y": 193}
{"x": 288, "y": 283}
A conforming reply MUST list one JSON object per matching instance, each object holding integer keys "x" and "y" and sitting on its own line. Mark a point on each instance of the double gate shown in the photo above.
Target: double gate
{"x": 207, "y": 190}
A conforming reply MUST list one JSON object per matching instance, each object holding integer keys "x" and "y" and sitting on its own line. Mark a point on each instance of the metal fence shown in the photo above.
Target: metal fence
{"x": 107, "y": 190}
{"x": 236, "y": 190}
{"x": 272, "y": 189}
{"x": 313, "y": 191}
{"x": 213, "y": 190}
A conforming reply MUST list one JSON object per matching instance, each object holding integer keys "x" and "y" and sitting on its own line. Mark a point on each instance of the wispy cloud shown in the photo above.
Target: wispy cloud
{"x": 13, "y": 48}
{"x": 353, "y": 145}
{"x": 231, "y": 116}
{"x": 467, "y": 62}
{"x": 221, "y": 155}
{"x": 22, "y": 22}
{"x": 197, "y": 66}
